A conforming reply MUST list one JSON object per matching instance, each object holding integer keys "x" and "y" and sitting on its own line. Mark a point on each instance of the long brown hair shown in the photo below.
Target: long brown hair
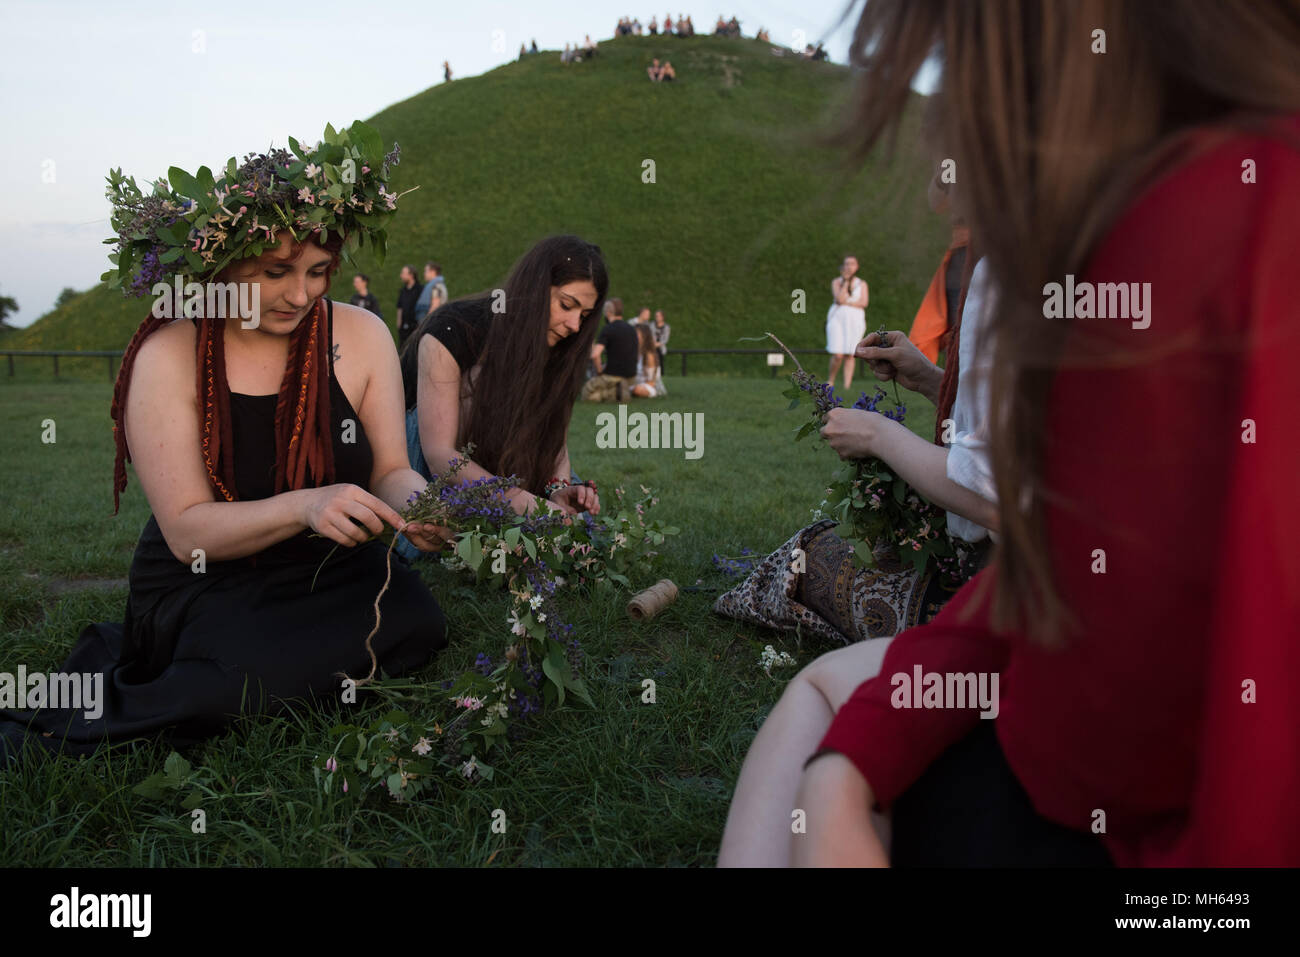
{"x": 525, "y": 390}
{"x": 646, "y": 347}
{"x": 1052, "y": 140}
{"x": 304, "y": 446}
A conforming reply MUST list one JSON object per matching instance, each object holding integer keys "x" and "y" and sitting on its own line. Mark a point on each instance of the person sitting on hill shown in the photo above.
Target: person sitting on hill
{"x": 588, "y": 48}
{"x": 667, "y": 72}
{"x": 655, "y": 71}
{"x": 616, "y": 378}
{"x": 506, "y": 382}
{"x": 649, "y": 373}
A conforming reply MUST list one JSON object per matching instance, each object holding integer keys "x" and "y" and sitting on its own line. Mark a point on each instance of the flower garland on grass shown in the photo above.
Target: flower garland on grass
{"x": 532, "y": 556}
{"x": 879, "y": 514}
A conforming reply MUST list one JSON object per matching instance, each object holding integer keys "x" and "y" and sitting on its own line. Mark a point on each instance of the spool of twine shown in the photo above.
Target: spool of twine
{"x": 646, "y": 604}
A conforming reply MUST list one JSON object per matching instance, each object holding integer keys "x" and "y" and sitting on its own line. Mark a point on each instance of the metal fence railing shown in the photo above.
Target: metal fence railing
{"x": 113, "y": 356}
{"x": 776, "y": 367}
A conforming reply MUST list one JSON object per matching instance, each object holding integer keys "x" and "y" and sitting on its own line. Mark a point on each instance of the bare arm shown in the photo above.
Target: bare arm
{"x": 162, "y": 425}
{"x": 923, "y": 465}
{"x": 596, "y": 351}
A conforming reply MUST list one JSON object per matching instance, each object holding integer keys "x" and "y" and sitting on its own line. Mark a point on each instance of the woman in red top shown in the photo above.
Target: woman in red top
{"x": 1142, "y": 613}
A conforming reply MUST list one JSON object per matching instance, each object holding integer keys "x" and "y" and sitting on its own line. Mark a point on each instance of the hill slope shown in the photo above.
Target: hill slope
{"x": 741, "y": 213}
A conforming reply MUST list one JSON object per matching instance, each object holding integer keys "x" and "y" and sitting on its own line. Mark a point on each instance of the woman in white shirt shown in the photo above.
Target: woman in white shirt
{"x": 846, "y": 320}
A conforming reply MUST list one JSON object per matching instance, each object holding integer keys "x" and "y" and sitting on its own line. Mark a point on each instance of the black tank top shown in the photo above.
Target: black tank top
{"x": 253, "y": 425}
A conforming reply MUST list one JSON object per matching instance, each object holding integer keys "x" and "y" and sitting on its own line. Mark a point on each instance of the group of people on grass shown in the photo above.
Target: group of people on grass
{"x": 573, "y": 53}
{"x": 627, "y": 360}
{"x": 416, "y": 300}
{"x": 660, "y": 72}
{"x": 1137, "y": 592}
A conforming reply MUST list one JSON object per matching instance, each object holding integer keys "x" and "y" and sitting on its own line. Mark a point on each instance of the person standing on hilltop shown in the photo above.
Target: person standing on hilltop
{"x": 846, "y": 320}
{"x": 446, "y": 71}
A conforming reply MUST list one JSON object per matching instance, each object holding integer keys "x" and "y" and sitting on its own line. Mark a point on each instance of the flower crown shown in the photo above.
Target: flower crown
{"x": 200, "y": 224}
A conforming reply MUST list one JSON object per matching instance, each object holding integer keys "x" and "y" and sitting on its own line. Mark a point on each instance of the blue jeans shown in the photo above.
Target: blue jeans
{"x": 415, "y": 457}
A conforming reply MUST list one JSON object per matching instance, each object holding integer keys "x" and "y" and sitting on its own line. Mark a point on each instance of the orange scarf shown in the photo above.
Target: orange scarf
{"x": 932, "y": 320}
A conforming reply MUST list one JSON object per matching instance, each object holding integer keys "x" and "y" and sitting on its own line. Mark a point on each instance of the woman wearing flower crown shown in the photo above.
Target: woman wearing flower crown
{"x": 263, "y": 443}
{"x": 501, "y": 372}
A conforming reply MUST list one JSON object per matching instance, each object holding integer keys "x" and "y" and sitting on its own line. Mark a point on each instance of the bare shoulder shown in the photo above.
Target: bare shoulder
{"x": 435, "y": 358}
{"x": 168, "y": 354}
{"x": 360, "y": 331}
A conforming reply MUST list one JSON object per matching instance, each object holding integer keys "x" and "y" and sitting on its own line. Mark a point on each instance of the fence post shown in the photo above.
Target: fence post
{"x": 56, "y": 365}
{"x": 683, "y": 365}
{"x": 110, "y": 368}
{"x": 11, "y": 363}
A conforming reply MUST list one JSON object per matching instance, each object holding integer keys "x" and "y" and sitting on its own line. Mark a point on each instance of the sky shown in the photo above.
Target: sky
{"x": 90, "y": 85}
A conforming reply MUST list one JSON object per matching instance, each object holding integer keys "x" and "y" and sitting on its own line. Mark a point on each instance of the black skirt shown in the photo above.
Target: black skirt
{"x": 969, "y": 810}
{"x": 243, "y": 637}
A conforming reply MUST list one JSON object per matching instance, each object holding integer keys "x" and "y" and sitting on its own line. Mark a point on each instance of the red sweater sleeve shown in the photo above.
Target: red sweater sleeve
{"x": 1172, "y": 525}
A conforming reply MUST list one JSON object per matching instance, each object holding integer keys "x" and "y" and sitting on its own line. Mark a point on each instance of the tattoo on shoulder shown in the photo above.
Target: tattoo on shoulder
{"x": 334, "y": 352}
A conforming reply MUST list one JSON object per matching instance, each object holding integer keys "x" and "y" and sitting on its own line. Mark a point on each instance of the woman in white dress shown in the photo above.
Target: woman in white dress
{"x": 846, "y": 322}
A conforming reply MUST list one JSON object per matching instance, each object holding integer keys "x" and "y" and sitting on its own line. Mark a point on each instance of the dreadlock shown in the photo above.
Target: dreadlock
{"x": 304, "y": 446}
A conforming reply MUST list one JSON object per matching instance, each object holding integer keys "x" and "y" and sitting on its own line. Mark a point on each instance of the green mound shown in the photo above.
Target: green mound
{"x": 744, "y": 209}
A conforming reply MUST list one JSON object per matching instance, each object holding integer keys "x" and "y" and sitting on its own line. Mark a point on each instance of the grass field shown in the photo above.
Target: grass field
{"x": 626, "y": 784}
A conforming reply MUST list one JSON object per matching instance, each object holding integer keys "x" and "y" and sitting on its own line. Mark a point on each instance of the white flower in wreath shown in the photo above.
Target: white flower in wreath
{"x": 535, "y": 602}
{"x": 517, "y": 627}
{"x": 312, "y": 171}
{"x": 469, "y": 768}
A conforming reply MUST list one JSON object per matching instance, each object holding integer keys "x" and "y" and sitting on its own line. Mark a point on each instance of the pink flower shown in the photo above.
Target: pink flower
{"x": 331, "y": 765}
{"x": 345, "y": 785}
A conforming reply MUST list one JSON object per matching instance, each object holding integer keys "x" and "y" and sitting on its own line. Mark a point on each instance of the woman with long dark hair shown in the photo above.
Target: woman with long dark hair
{"x": 501, "y": 371}
{"x": 263, "y": 442}
{"x": 1146, "y": 158}
{"x": 649, "y": 372}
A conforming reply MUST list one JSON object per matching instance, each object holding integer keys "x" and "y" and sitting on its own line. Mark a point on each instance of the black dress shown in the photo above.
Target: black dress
{"x": 244, "y": 635}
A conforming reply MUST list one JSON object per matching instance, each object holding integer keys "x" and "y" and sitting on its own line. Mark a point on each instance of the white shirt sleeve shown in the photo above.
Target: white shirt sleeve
{"x": 968, "y": 457}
